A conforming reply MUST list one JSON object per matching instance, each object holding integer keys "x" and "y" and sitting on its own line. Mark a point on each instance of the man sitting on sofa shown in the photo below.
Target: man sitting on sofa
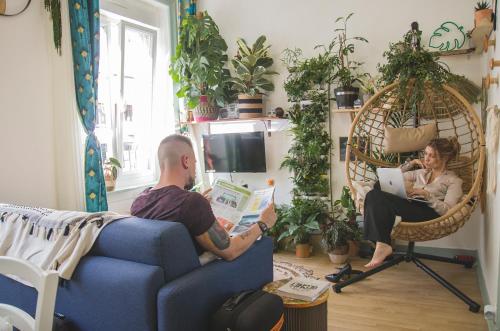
{"x": 170, "y": 200}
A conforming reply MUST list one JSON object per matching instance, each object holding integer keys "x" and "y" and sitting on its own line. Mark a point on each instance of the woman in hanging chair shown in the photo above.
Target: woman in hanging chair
{"x": 441, "y": 188}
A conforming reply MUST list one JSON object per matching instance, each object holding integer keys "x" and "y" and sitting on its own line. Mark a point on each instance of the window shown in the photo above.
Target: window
{"x": 134, "y": 92}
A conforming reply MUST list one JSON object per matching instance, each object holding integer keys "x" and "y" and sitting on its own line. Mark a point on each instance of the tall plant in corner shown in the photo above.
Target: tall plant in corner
{"x": 308, "y": 158}
{"x": 198, "y": 66}
{"x": 252, "y": 72}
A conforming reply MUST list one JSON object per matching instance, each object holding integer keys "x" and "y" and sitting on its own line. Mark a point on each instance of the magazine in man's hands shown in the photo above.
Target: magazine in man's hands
{"x": 237, "y": 207}
{"x": 302, "y": 288}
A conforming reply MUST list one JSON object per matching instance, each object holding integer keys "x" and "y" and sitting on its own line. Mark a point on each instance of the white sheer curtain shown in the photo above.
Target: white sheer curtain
{"x": 68, "y": 130}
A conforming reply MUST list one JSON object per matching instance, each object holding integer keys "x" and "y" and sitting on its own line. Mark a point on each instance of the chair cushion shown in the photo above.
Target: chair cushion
{"x": 401, "y": 140}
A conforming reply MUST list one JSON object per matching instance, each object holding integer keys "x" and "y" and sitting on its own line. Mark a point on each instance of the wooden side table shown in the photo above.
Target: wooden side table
{"x": 302, "y": 315}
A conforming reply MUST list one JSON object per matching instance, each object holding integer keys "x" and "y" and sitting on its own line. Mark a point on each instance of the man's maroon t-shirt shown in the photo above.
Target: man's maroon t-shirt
{"x": 172, "y": 203}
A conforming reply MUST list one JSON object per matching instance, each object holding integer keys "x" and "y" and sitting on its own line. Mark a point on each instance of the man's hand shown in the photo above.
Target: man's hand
{"x": 269, "y": 216}
{"x": 206, "y": 194}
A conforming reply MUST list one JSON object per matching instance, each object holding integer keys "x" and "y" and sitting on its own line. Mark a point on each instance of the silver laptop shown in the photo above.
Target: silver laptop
{"x": 392, "y": 181}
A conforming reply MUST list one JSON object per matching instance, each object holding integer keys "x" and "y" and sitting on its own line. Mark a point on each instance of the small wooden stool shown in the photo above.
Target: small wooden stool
{"x": 302, "y": 315}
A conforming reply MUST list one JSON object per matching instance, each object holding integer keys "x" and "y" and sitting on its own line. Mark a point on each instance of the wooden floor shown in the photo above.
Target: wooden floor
{"x": 400, "y": 298}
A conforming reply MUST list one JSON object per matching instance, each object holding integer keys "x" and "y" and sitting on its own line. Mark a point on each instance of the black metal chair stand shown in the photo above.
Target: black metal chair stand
{"x": 412, "y": 256}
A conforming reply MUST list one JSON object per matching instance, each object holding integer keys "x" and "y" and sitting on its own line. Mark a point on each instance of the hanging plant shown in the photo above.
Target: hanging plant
{"x": 54, "y": 8}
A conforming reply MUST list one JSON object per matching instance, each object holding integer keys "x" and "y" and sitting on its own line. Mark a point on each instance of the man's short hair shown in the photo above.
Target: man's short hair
{"x": 171, "y": 148}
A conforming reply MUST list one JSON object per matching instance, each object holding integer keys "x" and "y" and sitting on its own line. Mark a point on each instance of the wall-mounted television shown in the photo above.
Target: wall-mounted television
{"x": 234, "y": 152}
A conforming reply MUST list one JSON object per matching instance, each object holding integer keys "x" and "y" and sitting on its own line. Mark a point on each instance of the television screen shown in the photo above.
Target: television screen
{"x": 234, "y": 152}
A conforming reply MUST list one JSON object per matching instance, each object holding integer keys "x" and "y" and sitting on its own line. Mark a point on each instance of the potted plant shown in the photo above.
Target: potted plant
{"x": 198, "y": 67}
{"x": 279, "y": 227}
{"x": 111, "y": 166}
{"x": 252, "y": 70}
{"x": 302, "y": 219}
{"x": 340, "y": 230}
{"x": 351, "y": 213}
{"x": 348, "y": 70}
{"x": 412, "y": 66}
{"x": 483, "y": 12}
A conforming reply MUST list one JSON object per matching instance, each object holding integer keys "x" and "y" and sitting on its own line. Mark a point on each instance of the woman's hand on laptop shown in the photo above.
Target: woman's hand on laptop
{"x": 418, "y": 192}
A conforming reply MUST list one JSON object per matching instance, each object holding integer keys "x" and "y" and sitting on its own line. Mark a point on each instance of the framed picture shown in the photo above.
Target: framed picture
{"x": 362, "y": 144}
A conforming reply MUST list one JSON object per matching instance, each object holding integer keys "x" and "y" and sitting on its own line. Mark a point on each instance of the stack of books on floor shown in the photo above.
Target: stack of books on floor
{"x": 302, "y": 288}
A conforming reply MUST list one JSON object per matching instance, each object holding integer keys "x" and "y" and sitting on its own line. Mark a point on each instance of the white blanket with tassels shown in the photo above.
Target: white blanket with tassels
{"x": 51, "y": 239}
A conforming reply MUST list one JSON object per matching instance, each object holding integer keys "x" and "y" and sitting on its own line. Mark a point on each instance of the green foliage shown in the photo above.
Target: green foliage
{"x": 251, "y": 66}
{"x": 413, "y": 68}
{"x": 280, "y": 226}
{"x": 342, "y": 226}
{"x": 308, "y": 157}
{"x": 302, "y": 219}
{"x": 54, "y": 8}
{"x": 198, "y": 64}
{"x": 113, "y": 164}
{"x": 348, "y": 71}
{"x": 482, "y": 5}
{"x": 306, "y": 75}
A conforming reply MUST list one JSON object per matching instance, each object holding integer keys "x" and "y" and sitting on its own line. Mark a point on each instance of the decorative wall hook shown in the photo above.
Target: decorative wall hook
{"x": 488, "y": 80}
{"x": 494, "y": 63}
{"x": 489, "y": 42}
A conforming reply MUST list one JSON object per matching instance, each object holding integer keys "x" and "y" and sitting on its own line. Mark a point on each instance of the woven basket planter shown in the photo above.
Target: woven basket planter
{"x": 250, "y": 106}
{"x": 204, "y": 111}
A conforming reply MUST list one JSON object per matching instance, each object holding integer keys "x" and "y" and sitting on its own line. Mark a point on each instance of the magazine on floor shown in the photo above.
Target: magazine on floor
{"x": 238, "y": 207}
{"x": 302, "y": 288}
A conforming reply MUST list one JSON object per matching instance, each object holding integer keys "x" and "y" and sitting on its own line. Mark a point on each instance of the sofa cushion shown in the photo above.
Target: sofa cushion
{"x": 161, "y": 243}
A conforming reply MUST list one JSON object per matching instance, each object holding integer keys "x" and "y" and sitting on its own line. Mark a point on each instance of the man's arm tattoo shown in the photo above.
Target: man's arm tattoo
{"x": 245, "y": 234}
{"x": 219, "y": 236}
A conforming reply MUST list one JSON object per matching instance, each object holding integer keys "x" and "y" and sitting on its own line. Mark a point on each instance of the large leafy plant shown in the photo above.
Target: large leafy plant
{"x": 342, "y": 226}
{"x": 348, "y": 70}
{"x": 412, "y": 66}
{"x": 303, "y": 219}
{"x": 199, "y": 62}
{"x": 252, "y": 67}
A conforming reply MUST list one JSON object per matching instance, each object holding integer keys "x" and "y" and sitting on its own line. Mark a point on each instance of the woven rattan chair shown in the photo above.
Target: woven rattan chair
{"x": 454, "y": 116}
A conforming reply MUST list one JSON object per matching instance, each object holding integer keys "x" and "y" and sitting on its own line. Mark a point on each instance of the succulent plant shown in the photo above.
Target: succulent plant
{"x": 482, "y": 5}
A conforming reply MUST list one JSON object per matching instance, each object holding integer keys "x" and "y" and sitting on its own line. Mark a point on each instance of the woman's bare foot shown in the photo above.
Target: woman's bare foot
{"x": 382, "y": 250}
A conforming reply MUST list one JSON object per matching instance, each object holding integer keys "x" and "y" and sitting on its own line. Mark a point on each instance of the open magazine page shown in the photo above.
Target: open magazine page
{"x": 259, "y": 200}
{"x": 229, "y": 202}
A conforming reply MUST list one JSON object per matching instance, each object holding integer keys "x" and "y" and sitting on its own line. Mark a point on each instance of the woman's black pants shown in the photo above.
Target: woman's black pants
{"x": 381, "y": 209}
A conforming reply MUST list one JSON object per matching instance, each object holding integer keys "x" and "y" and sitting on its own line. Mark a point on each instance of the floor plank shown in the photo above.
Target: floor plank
{"x": 401, "y": 298}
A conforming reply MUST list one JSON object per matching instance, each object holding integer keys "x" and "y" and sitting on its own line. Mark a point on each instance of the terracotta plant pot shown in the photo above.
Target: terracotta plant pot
{"x": 339, "y": 255}
{"x": 483, "y": 14}
{"x": 302, "y": 250}
{"x": 109, "y": 181}
{"x": 250, "y": 106}
{"x": 353, "y": 248}
{"x": 205, "y": 111}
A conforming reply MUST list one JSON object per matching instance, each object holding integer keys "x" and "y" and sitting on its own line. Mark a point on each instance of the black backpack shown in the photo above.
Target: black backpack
{"x": 254, "y": 310}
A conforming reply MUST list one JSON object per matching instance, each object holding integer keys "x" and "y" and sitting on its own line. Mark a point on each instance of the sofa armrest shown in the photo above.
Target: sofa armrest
{"x": 187, "y": 303}
{"x": 159, "y": 243}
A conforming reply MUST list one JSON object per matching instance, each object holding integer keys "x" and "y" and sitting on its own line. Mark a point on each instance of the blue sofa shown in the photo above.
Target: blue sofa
{"x": 144, "y": 275}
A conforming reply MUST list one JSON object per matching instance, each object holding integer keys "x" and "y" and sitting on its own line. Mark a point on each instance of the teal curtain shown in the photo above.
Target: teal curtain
{"x": 84, "y": 23}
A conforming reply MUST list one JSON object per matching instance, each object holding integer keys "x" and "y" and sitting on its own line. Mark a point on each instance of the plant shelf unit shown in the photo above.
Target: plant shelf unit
{"x": 267, "y": 121}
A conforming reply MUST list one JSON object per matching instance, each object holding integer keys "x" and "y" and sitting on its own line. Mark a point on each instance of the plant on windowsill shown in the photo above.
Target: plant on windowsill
{"x": 308, "y": 158}
{"x": 341, "y": 230}
{"x": 348, "y": 73}
{"x": 252, "y": 71}
{"x": 198, "y": 67}
{"x": 110, "y": 168}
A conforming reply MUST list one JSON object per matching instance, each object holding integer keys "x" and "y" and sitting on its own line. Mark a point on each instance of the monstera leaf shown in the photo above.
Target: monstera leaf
{"x": 447, "y": 37}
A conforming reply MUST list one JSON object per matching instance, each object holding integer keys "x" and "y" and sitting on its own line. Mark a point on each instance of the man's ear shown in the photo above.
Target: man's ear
{"x": 184, "y": 161}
